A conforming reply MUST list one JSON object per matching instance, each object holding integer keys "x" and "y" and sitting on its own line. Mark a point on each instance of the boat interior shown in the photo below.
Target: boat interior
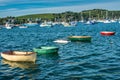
{"x": 17, "y": 52}
{"x": 79, "y": 36}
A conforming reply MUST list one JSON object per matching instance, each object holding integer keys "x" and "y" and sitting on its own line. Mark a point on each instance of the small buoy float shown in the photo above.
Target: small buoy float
{"x": 107, "y": 33}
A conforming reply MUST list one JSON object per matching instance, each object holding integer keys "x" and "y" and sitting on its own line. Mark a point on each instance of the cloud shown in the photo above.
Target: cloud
{"x": 78, "y": 8}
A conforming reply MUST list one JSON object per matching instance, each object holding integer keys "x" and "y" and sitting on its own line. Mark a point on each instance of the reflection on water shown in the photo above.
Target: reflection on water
{"x": 23, "y": 65}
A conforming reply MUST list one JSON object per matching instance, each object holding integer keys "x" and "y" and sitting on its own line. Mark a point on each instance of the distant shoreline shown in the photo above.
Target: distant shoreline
{"x": 97, "y": 14}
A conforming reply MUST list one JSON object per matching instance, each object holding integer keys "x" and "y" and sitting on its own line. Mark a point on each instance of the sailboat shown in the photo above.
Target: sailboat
{"x": 8, "y": 25}
{"x": 82, "y": 18}
{"x": 106, "y": 20}
{"x": 89, "y": 19}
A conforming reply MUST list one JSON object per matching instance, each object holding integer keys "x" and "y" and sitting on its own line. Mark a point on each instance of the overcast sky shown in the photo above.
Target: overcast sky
{"x": 24, "y": 7}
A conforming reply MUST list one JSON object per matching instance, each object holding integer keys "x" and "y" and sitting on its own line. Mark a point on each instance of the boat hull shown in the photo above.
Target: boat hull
{"x": 19, "y": 57}
{"x": 106, "y": 33}
{"x": 45, "y": 50}
{"x": 80, "y": 38}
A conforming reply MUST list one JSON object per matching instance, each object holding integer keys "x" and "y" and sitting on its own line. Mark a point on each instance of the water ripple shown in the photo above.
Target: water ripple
{"x": 97, "y": 60}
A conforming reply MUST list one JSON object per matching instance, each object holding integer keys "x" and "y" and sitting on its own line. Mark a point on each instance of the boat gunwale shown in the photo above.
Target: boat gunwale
{"x": 77, "y": 37}
{"x": 47, "y": 47}
{"x": 107, "y": 32}
{"x": 14, "y": 53}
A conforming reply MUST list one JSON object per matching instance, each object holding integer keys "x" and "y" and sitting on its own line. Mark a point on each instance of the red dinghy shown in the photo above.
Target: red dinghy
{"x": 107, "y": 33}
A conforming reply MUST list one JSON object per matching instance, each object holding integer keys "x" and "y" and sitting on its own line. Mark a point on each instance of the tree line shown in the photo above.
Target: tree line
{"x": 65, "y": 16}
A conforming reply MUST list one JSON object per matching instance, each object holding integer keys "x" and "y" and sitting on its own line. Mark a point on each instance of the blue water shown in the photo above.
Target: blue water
{"x": 95, "y": 60}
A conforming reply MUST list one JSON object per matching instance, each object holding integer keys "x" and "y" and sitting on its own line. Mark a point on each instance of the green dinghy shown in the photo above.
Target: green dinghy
{"x": 80, "y": 38}
{"x": 46, "y": 50}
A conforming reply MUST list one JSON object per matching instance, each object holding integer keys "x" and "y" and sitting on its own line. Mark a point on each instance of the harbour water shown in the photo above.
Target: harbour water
{"x": 95, "y": 60}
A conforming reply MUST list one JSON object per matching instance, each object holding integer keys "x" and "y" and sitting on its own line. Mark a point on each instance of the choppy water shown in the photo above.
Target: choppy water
{"x": 97, "y": 60}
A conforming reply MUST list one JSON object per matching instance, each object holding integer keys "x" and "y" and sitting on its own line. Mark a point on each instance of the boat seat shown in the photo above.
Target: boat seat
{"x": 10, "y": 52}
{"x": 27, "y": 53}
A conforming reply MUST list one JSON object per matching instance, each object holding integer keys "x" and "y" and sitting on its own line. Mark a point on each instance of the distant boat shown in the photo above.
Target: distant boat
{"x": 22, "y": 26}
{"x": 9, "y": 26}
{"x": 88, "y": 22}
{"x": 73, "y": 23}
{"x": 107, "y": 33}
{"x": 101, "y": 21}
{"x": 82, "y": 18}
{"x": 107, "y": 21}
{"x": 56, "y": 23}
{"x": 61, "y": 41}
{"x": 119, "y": 22}
{"x": 113, "y": 21}
{"x": 19, "y": 56}
{"x": 65, "y": 24}
{"x": 46, "y": 24}
{"x": 31, "y": 24}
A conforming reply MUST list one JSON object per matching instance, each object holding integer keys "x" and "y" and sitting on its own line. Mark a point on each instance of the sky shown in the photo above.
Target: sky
{"x": 25, "y": 7}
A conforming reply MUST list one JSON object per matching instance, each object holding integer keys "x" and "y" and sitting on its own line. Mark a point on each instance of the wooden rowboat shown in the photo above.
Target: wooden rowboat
{"x": 80, "y": 38}
{"x": 19, "y": 56}
{"x": 107, "y": 33}
{"x": 46, "y": 50}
